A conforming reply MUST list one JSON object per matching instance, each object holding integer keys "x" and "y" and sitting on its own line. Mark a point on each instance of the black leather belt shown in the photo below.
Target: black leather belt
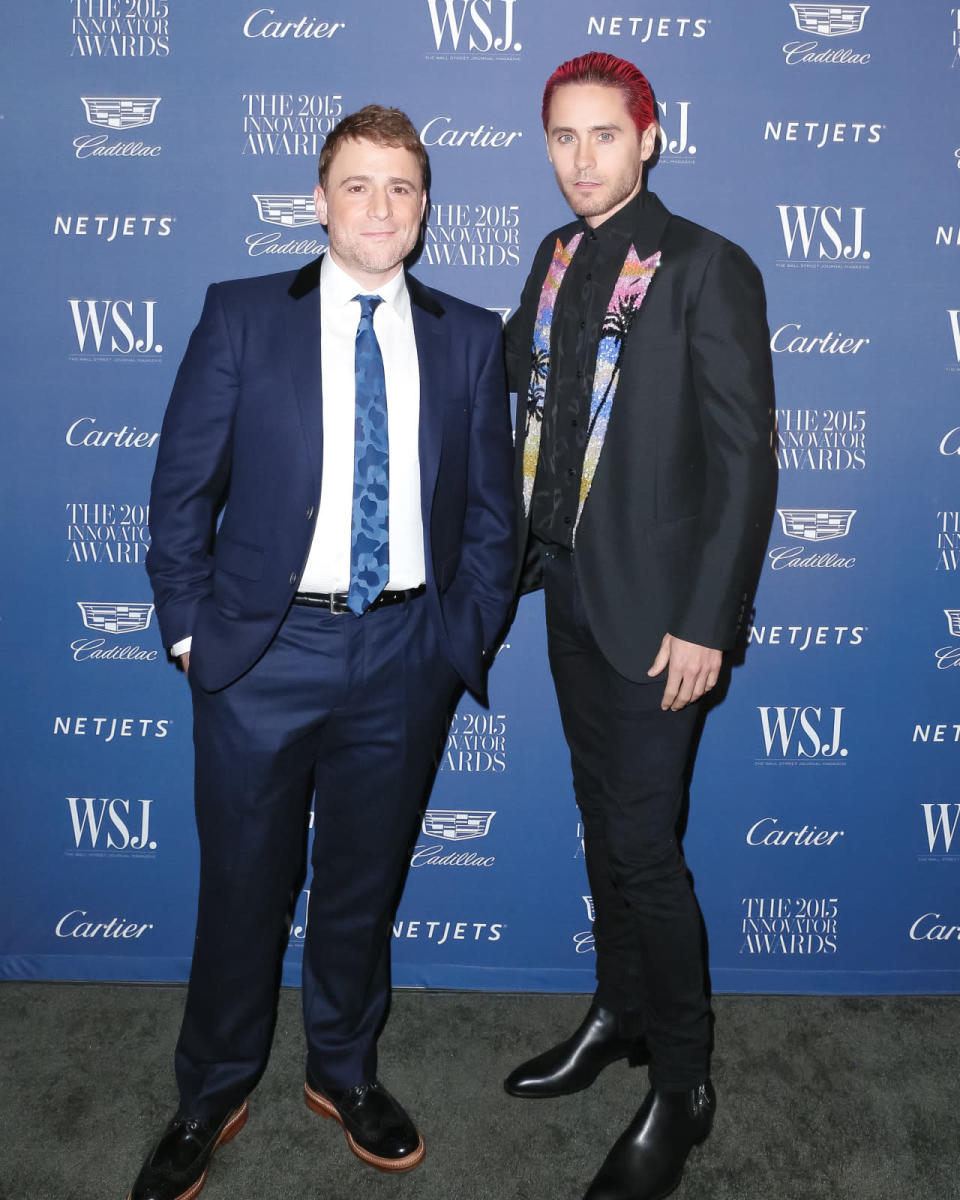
{"x": 336, "y": 602}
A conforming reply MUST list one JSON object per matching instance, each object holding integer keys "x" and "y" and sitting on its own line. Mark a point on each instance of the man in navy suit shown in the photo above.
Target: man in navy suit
{"x": 332, "y": 552}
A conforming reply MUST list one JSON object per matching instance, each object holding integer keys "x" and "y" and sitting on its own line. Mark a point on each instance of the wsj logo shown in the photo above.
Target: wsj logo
{"x": 816, "y": 524}
{"x": 801, "y": 734}
{"x": 583, "y": 942}
{"x": 830, "y": 21}
{"x": 941, "y": 828}
{"x": 117, "y": 114}
{"x": 114, "y": 825}
{"x": 474, "y": 26}
{"x": 832, "y": 235}
{"x": 676, "y": 118}
{"x": 953, "y": 316}
{"x": 108, "y": 327}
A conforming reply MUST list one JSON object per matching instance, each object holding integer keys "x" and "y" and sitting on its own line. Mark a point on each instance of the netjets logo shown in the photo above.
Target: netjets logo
{"x": 941, "y": 827}
{"x": 829, "y": 20}
{"x": 816, "y": 524}
{"x": 473, "y": 28}
{"x": 457, "y": 825}
{"x": 120, "y": 112}
{"x": 289, "y": 211}
{"x": 115, "y": 618}
{"x": 801, "y": 734}
{"x": 823, "y": 235}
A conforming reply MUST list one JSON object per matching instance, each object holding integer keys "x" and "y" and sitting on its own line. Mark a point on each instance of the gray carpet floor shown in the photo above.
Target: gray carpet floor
{"x": 839, "y": 1098}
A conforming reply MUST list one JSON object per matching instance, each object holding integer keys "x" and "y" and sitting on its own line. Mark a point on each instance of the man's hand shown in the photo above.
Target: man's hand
{"x": 185, "y": 662}
{"x": 693, "y": 670}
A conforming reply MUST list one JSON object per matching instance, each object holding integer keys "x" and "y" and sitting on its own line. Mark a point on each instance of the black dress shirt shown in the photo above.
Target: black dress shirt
{"x": 574, "y": 338}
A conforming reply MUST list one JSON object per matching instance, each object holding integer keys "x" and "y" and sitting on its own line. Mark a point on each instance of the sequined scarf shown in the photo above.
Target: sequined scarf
{"x": 628, "y": 295}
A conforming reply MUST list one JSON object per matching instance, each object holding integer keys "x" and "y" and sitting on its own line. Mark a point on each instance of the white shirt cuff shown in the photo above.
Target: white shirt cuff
{"x": 181, "y": 647}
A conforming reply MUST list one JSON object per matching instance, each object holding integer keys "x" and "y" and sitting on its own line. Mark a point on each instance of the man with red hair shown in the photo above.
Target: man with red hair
{"x": 646, "y": 472}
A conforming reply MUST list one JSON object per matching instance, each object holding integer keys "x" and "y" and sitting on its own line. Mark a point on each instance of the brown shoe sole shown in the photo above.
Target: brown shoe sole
{"x": 230, "y": 1130}
{"x": 324, "y": 1108}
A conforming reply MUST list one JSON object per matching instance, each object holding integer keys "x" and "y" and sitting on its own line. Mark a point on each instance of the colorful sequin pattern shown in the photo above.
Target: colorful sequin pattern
{"x": 540, "y": 363}
{"x": 628, "y": 295}
{"x": 621, "y": 312}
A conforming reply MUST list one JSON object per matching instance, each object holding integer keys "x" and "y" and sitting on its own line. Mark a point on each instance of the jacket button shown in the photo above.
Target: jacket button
{"x": 293, "y": 577}
{"x": 309, "y": 512}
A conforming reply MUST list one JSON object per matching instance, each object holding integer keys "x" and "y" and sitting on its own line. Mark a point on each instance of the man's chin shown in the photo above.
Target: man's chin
{"x": 587, "y": 204}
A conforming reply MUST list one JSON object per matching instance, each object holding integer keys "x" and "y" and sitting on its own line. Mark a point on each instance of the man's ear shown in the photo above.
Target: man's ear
{"x": 648, "y": 140}
{"x": 320, "y": 204}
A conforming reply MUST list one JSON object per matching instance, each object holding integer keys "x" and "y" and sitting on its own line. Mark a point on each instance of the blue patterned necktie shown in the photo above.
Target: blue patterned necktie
{"x": 369, "y": 543}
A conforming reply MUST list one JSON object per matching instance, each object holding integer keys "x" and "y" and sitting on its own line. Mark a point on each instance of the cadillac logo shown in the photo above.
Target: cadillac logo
{"x": 120, "y": 112}
{"x": 829, "y": 20}
{"x": 953, "y": 620}
{"x": 289, "y": 211}
{"x": 816, "y": 524}
{"x": 115, "y": 618}
{"x": 457, "y": 825}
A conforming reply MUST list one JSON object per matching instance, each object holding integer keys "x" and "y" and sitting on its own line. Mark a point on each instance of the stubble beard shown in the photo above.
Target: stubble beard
{"x": 598, "y": 203}
{"x": 372, "y": 259}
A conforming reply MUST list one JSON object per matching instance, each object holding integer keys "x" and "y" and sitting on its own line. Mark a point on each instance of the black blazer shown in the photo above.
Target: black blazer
{"x": 673, "y": 532}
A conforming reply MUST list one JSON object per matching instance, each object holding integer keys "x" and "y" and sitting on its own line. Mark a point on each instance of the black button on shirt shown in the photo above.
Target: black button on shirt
{"x": 574, "y": 338}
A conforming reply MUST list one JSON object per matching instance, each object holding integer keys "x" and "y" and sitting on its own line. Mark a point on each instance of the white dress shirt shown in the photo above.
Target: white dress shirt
{"x": 328, "y": 563}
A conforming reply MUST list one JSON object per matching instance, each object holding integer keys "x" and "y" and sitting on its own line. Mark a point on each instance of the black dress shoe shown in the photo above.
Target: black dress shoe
{"x": 177, "y": 1167}
{"x": 646, "y": 1162}
{"x": 378, "y": 1130}
{"x": 575, "y": 1063}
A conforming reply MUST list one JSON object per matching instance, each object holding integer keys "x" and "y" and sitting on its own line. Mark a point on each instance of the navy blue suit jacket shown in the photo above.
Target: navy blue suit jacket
{"x": 238, "y": 475}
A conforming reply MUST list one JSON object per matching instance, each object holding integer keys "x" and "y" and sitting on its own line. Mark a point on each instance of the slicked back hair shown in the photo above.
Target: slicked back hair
{"x": 608, "y": 71}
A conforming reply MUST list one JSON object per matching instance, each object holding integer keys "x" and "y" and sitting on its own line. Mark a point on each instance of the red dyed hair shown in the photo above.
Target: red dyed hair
{"x": 608, "y": 71}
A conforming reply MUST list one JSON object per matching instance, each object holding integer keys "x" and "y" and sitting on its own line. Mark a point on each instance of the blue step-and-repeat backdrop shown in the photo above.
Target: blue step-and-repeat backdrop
{"x": 155, "y": 145}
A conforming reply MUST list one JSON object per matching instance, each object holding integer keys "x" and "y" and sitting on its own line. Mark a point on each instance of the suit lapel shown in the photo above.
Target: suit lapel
{"x": 651, "y": 223}
{"x": 302, "y": 333}
{"x": 433, "y": 348}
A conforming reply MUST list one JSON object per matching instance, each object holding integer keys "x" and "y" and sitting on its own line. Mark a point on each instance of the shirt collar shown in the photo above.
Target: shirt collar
{"x": 621, "y": 225}
{"x": 339, "y": 288}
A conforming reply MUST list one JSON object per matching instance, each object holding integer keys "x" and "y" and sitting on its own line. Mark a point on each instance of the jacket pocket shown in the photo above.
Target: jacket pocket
{"x": 238, "y": 558}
